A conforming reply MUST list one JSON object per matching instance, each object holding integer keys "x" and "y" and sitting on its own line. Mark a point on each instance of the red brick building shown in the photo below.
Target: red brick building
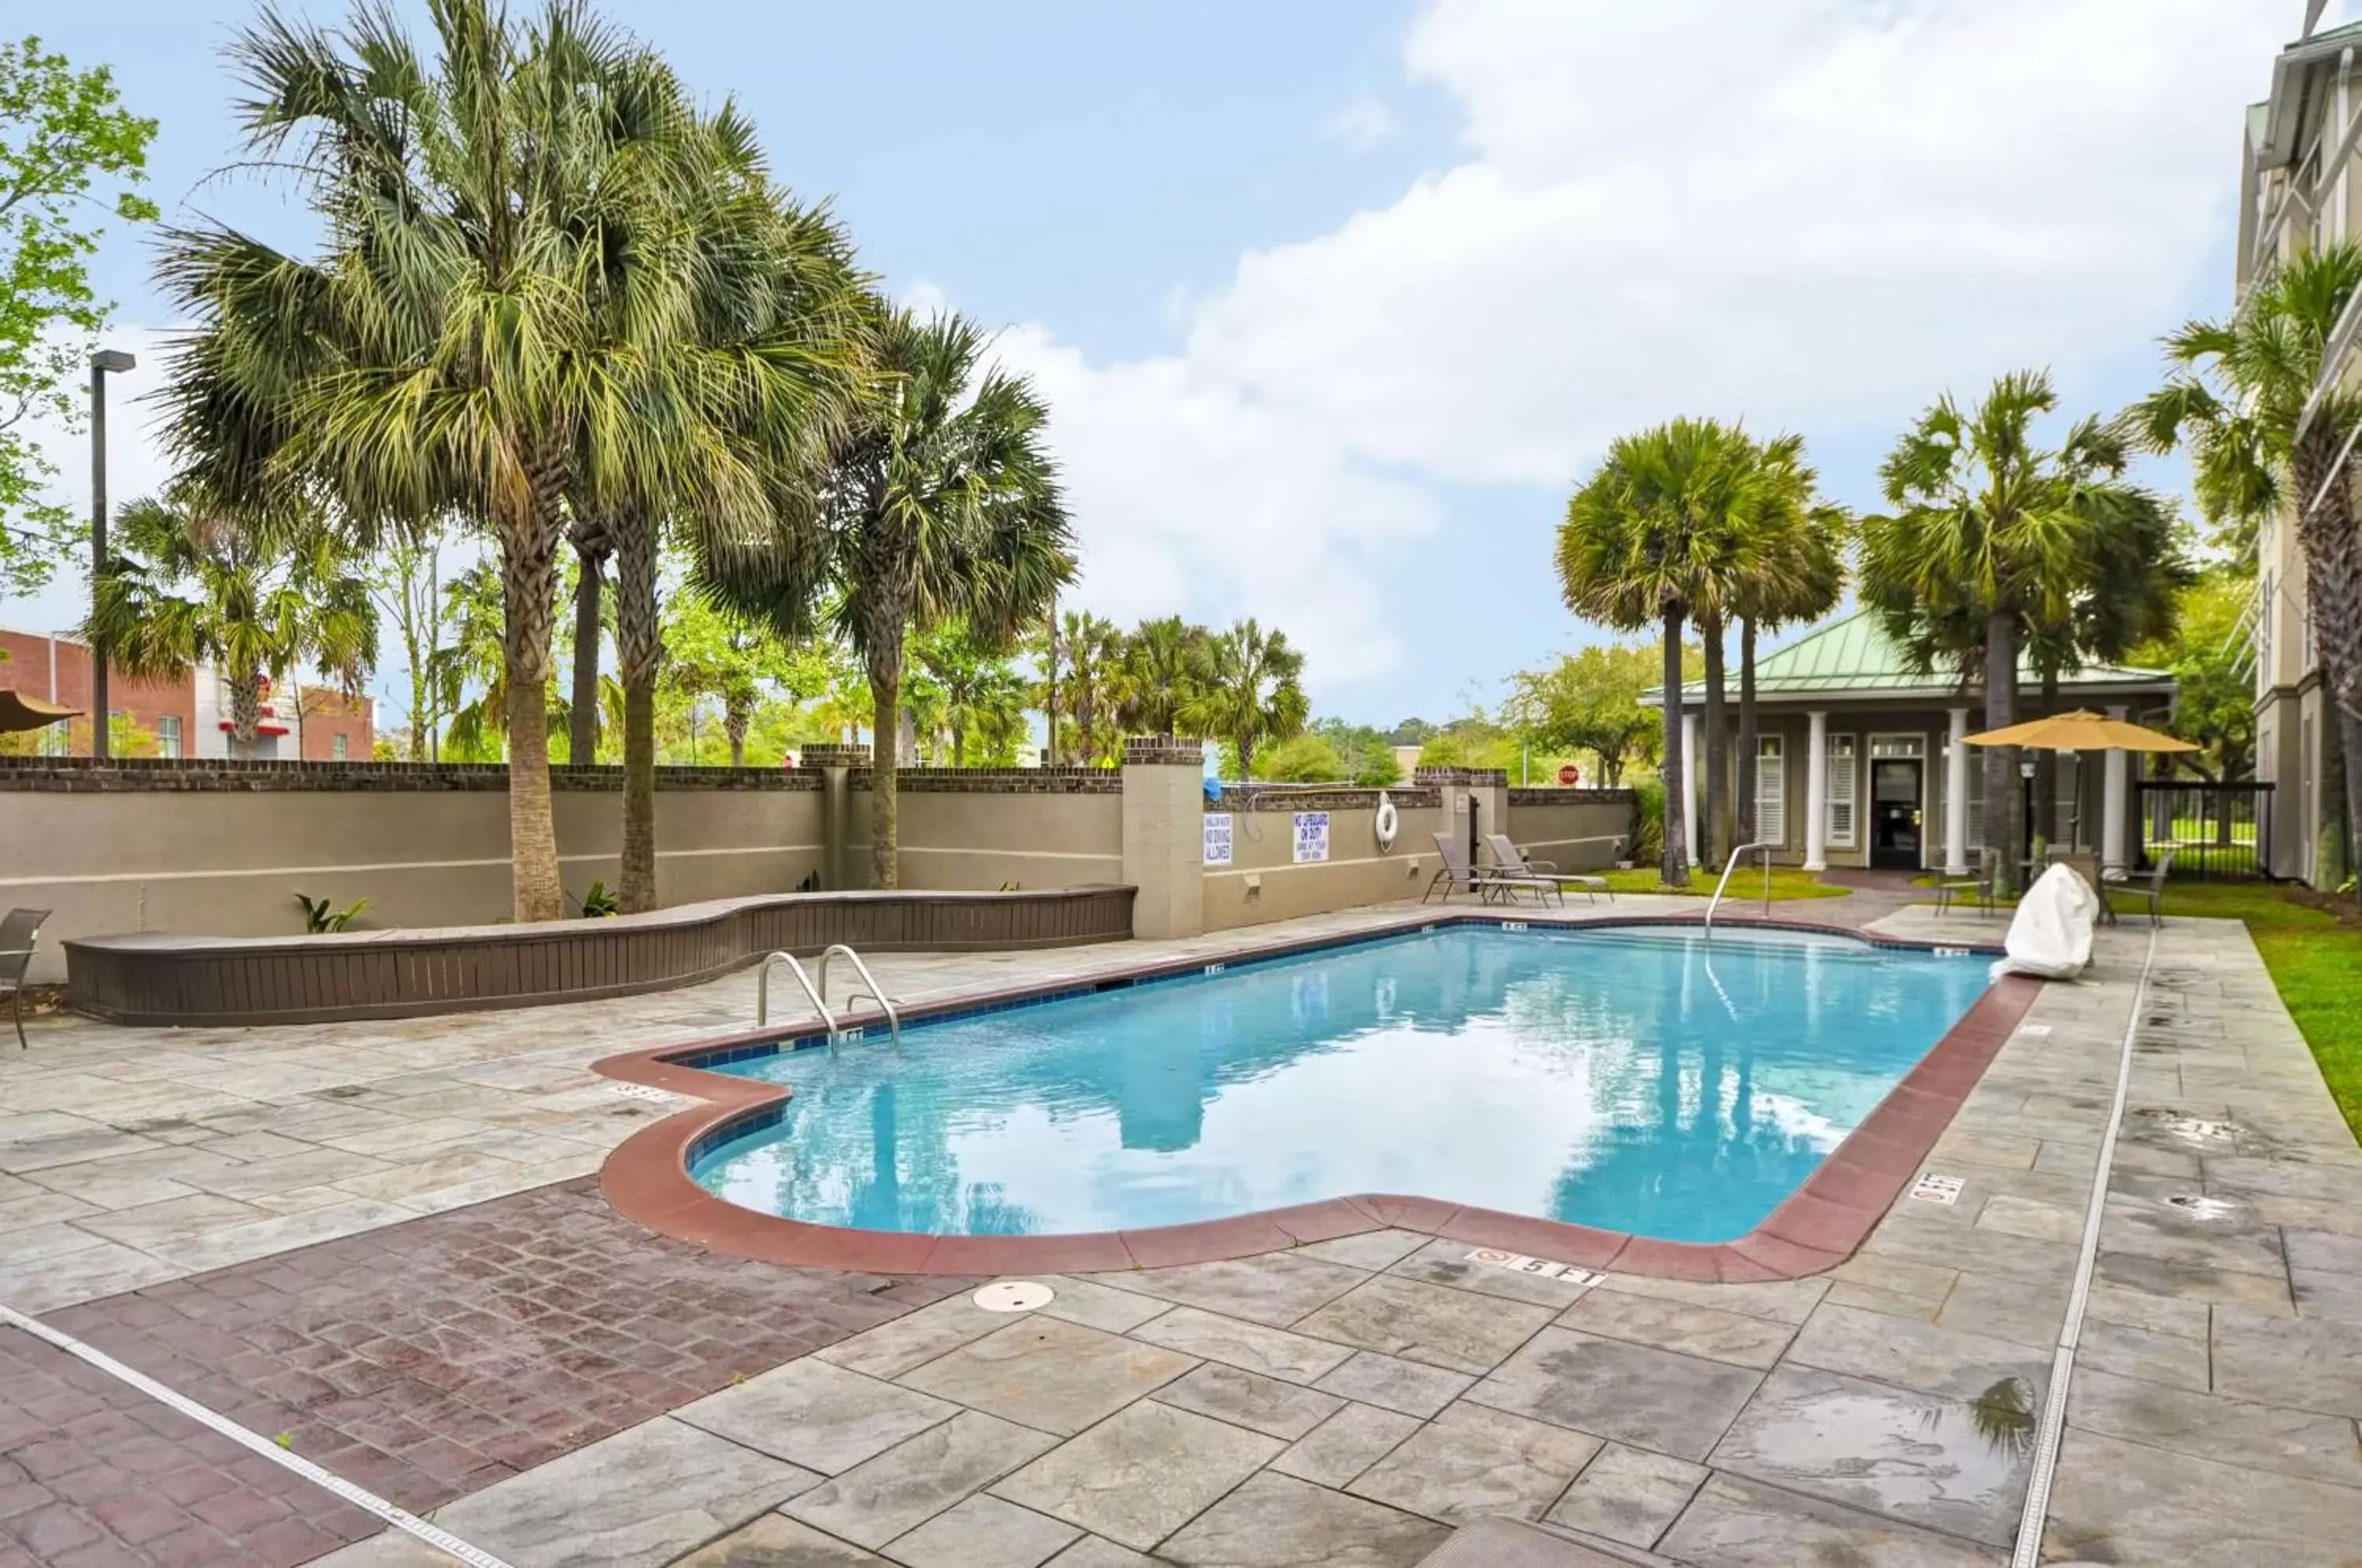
{"x": 185, "y": 716}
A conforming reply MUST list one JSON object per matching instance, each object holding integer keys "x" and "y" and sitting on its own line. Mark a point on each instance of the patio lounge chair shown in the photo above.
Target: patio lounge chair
{"x": 1978, "y": 885}
{"x": 19, "y": 934}
{"x": 2152, "y": 892}
{"x": 1509, "y": 858}
{"x": 1456, "y": 876}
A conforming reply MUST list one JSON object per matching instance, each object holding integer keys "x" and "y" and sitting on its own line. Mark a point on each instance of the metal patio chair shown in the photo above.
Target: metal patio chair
{"x": 2151, "y": 892}
{"x": 19, "y": 934}
{"x": 1978, "y": 885}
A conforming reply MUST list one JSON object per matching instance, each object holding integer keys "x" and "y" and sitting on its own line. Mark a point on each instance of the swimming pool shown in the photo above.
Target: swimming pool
{"x": 1634, "y": 1081}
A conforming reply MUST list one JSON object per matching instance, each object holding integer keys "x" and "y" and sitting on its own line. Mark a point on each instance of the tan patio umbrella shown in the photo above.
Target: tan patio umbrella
{"x": 18, "y": 711}
{"x": 2082, "y": 731}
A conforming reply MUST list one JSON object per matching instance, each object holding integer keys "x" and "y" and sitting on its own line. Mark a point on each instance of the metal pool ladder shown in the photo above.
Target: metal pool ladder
{"x": 1731, "y": 865}
{"x": 876, "y": 992}
{"x": 763, "y": 990}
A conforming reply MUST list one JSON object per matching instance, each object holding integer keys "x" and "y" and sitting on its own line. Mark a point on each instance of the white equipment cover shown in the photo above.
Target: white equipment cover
{"x": 2051, "y": 934}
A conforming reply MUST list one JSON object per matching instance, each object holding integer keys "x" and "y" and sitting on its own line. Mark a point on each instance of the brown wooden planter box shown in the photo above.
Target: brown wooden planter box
{"x": 153, "y": 977}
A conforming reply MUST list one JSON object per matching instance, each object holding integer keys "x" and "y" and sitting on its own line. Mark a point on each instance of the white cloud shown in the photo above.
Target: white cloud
{"x": 1190, "y": 498}
{"x": 1813, "y": 213}
{"x": 1360, "y": 122}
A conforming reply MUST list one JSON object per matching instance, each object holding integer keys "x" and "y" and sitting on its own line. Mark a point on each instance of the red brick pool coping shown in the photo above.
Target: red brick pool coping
{"x": 1820, "y": 1224}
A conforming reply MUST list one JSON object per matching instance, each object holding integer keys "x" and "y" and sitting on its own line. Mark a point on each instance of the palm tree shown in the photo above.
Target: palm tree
{"x": 774, "y": 358}
{"x": 1990, "y": 542}
{"x": 192, "y": 582}
{"x": 474, "y": 660}
{"x": 981, "y": 694}
{"x": 2237, "y": 396}
{"x": 710, "y": 652}
{"x": 996, "y": 712}
{"x": 936, "y": 502}
{"x": 1651, "y": 539}
{"x": 1253, "y": 691}
{"x": 1796, "y": 575}
{"x": 1093, "y": 648}
{"x": 447, "y": 350}
{"x": 1165, "y": 663}
{"x": 2126, "y": 590}
{"x": 587, "y": 537}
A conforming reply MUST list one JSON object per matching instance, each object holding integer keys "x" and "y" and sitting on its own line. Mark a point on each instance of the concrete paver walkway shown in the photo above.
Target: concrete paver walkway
{"x": 1354, "y": 1400}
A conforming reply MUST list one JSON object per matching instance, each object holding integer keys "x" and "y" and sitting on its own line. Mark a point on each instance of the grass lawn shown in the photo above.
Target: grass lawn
{"x": 1746, "y": 884}
{"x": 2316, "y": 962}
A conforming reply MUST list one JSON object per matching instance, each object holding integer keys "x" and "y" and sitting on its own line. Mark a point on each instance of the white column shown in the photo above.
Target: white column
{"x": 2111, "y": 805}
{"x": 1956, "y": 798}
{"x": 1689, "y": 787}
{"x": 1816, "y": 793}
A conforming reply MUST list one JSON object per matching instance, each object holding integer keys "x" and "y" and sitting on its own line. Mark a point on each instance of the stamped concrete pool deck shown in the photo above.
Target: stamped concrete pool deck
{"x": 560, "y": 1387}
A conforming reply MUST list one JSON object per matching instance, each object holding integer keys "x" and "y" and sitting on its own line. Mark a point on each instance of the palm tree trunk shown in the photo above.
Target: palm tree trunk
{"x": 2337, "y": 599}
{"x": 959, "y": 746}
{"x": 1746, "y": 742}
{"x": 2046, "y": 771}
{"x": 591, "y": 546}
{"x": 639, "y": 655}
{"x": 2333, "y": 570}
{"x": 884, "y": 786}
{"x": 1246, "y": 758}
{"x": 1674, "y": 860}
{"x": 529, "y": 536}
{"x": 1715, "y": 842}
{"x": 1050, "y": 697}
{"x": 2004, "y": 819}
{"x": 735, "y": 719}
{"x": 245, "y": 711}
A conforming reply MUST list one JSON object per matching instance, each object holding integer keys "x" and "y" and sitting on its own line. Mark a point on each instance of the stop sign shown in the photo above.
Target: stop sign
{"x": 1568, "y": 773}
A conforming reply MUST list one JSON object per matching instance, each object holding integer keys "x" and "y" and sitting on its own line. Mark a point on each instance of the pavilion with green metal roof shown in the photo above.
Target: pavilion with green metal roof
{"x": 1859, "y": 755}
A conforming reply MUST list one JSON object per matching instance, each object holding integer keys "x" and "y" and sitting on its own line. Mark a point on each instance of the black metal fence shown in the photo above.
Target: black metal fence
{"x": 2218, "y": 831}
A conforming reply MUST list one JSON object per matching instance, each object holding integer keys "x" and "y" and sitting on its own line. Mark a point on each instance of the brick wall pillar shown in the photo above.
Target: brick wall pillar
{"x": 1478, "y": 801}
{"x": 1164, "y": 835}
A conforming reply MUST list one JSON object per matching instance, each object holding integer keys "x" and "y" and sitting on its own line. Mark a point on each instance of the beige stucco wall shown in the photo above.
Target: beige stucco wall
{"x": 962, "y": 840}
{"x": 1571, "y": 834}
{"x": 230, "y": 863}
{"x": 1357, "y": 872}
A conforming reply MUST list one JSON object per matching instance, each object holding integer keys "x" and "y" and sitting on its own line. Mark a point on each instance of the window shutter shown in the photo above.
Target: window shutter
{"x": 1841, "y": 803}
{"x": 1770, "y": 792}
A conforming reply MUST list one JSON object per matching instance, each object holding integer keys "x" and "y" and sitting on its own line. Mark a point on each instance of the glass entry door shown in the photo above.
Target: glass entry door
{"x": 1895, "y": 813}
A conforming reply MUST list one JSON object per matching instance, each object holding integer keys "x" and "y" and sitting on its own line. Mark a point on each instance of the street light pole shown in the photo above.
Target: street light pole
{"x": 105, "y": 360}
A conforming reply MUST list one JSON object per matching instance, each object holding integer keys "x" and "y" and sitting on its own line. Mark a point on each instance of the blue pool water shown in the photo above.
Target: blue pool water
{"x": 1638, "y": 1082}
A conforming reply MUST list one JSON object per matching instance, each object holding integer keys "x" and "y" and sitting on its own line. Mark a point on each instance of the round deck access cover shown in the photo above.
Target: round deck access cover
{"x": 1013, "y": 1295}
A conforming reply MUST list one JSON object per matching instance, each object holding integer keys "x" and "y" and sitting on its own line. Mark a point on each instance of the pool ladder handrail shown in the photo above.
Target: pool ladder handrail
{"x": 876, "y": 992}
{"x": 1731, "y": 865}
{"x": 762, "y": 991}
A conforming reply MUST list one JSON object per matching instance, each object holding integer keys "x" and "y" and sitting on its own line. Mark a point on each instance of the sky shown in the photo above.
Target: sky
{"x": 1336, "y": 301}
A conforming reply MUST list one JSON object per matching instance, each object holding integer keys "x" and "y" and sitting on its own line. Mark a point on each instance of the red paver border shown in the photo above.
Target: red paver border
{"x": 1817, "y": 1227}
